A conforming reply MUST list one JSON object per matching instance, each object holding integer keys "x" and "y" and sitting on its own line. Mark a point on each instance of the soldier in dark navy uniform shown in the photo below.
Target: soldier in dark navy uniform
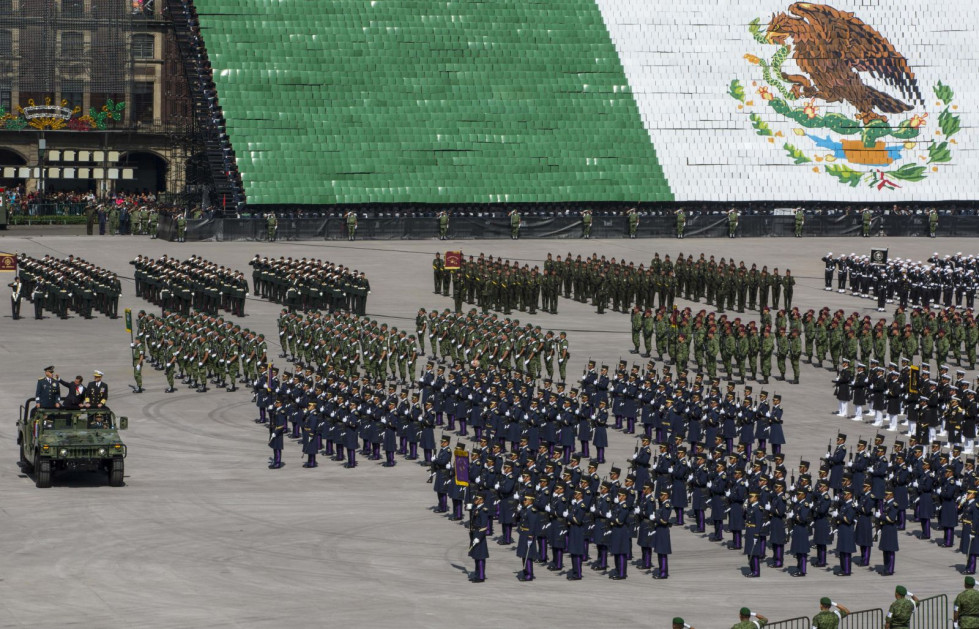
{"x": 97, "y": 391}
{"x": 277, "y": 429}
{"x": 311, "y": 434}
{"x": 479, "y": 521}
{"x": 442, "y": 470}
{"x": 47, "y": 393}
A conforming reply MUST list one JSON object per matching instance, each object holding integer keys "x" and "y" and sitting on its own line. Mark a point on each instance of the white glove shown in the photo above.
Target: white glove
{"x": 592, "y": 509}
{"x": 564, "y": 513}
{"x": 669, "y": 470}
{"x": 834, "y": 513}
{"x": 478, "y": 479}
{"x": 709, "y": 484}
{"x": 635, "y": 456}
{"x": 636, "y": 510}
{"x": 547, "y": 508}
{"x": 496, "y": 486}
{"x": 914, "y": 484}
{"x": 469, "y": 506}
{"x": 878, "y": 514}
{"x": 448, "y": 466}
{"x": 826, "y": 456}
{"x": 727, "y": 493}
{"x": 689, "y": 478}
{"x": 608, "y": 514}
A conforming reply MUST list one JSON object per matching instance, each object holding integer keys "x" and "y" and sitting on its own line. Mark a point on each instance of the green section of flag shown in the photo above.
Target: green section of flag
{"x": 353, "y": 101}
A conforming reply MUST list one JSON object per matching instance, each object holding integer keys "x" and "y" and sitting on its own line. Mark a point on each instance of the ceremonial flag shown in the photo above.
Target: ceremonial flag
{"x": 8, "y": 262}
{"x": 453, "y": 260}
{"x": 462, "y": 466}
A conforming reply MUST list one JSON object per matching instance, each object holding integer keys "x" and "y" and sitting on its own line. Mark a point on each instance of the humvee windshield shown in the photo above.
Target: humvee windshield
{"x": 77, "y": 421}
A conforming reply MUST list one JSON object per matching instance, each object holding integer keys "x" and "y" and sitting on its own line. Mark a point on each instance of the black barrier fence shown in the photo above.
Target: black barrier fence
{"x": 801, "y": 622}
{"x": 490, "y": 227}
{"x": 864, "y": 619}
{"x": 931, "y": 613}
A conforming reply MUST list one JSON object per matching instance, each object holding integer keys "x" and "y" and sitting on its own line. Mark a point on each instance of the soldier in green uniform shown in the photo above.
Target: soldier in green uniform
{"x": 800, "y": 220}
{"x": 788, "y": 289}
{"x": 181, "y": 227}
{"x": 514, "y": 224}
{"x": 765, "y": 354}
{"x": 648, "y": 329}
{"x": 563, "y": 356}
{"x": 682, "y": 352}
{"x": 586, "y": 220}
{"x": 271, "y": 226}
{"x": 732, "y": 222}
{"x": 748, "y": 620}
{"x": 114, "y": 219}
{"x": 900, "y": 612}
{"x": 679, "y": 624}
{"x": 153, "y": 222}
{"x": 867, "y": 216}
{"x": 170, "y": 357}
{"x": 795, "y": 353}
{"x": 781, "y": 350}
{"x": 966, "y": 606}
{"x": 351, "y": 217}
{"x": 443, "y": 225}
{"x": 636, "y": 319}
{"x": 754, "y": 348}
{"x": 830, "y": 614}
{"x": 728, "y": 345}
{"x": 681, "y": 222}
{"x": 741, "y": 352}
{"x": 932, "y": 222}
{"x": 139, "y": 355}
{"x": 633, "y": 217}
{"x": 138, "y": 222}
{"x": 458, "y": 289}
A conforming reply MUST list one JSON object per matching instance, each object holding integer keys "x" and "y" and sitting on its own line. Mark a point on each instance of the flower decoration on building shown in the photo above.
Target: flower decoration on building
{"x": 49, "y": 117}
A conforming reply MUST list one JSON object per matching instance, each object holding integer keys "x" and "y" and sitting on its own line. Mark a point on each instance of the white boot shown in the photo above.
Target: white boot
{"x": 858, "y": 413}
{"x": 878, "y": 419}
{"x": 893, "y": 426}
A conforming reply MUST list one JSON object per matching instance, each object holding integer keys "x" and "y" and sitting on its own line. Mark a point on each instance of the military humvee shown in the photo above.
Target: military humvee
{"x": 53, "y": 439}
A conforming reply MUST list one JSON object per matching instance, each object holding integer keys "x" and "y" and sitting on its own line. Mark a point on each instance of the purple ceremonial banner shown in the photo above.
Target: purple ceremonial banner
{"x": 462, "y": 467}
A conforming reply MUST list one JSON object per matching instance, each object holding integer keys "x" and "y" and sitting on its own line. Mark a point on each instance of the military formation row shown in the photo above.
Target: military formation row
{"x": 60, "y": 285}
{"x": 947, "y": 281}
{"x": 497, "y": 284}
{"x": 722, "y": 284}
{"x": 197, "y": 349}
{"x": 194, "y": 283}
{"x": 341, "y": 343}
{"x": 303, "y": 284}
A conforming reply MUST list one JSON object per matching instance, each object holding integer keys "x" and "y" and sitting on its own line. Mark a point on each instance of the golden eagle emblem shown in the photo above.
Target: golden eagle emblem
{"x": 844, "y": 103}
{"x": 833, "y": 47}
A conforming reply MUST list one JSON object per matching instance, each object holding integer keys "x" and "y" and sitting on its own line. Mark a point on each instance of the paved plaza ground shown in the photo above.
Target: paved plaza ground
{"x": 203, "y": 534}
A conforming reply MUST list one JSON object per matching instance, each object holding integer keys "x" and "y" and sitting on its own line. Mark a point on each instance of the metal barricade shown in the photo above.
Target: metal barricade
{"x": 802, "y": 622}
{"x": 864, "y": 619}
{"x": 931, "y": 613}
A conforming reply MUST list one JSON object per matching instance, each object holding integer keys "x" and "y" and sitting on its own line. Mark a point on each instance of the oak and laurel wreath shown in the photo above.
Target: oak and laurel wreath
{"x": 938, "y": 152}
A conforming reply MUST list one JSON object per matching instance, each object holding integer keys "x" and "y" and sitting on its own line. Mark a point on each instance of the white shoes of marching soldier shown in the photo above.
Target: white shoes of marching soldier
{"x": 828, "y": 288}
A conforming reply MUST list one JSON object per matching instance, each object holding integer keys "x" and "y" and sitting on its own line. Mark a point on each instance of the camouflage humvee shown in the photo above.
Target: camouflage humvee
{"x": 53, "y": 439}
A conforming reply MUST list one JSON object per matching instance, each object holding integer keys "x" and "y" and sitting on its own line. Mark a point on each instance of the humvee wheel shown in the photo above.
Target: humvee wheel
{"x": 25, "y": 465}
{"x": 42, "y": 471}
{"x": 116, "y": 473}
